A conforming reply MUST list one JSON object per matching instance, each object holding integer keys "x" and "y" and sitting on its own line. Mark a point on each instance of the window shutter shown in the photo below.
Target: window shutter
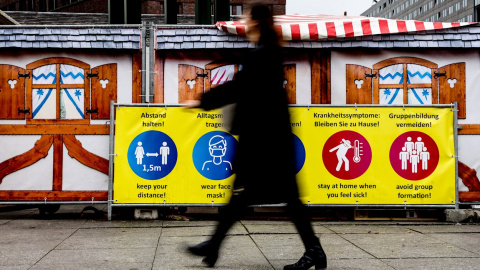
{"x": 289, "y": 82}
{"x": 452, "y": 86}
{"x": 12, "y": 92}
{"x": 104, "y": 89}
{"x": 190, "y": 82}
{"x": 210, "y": 79}
{"x": 359, "y": 86}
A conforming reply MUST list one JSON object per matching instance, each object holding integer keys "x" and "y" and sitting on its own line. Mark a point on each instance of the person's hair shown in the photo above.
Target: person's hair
{"x": 262, "y": 14}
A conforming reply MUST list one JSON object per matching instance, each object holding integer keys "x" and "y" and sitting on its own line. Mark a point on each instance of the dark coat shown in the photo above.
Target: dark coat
{"x": 264, "y": 162}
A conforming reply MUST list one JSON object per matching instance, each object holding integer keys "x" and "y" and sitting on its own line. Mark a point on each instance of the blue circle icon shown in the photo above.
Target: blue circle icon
{"x": 300, "y": 153}
{"x": 152, "y": 155}
{"x": 213, "y": 155}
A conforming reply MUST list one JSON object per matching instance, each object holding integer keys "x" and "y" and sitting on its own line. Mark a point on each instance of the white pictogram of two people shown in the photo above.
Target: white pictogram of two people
{"x": 164, "y": 152}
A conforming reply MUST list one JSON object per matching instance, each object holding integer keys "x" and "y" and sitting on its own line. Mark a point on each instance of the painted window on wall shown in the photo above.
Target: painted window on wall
{"x": 407, "y": 80}
{"x": 58, "y": 91}
{"x": 72, "y": 100}
{"x": 391, "y": 75}
{"x": 44, "y": 84}
{"x": 418, "y": 74}
{"x": 66, "y": 89}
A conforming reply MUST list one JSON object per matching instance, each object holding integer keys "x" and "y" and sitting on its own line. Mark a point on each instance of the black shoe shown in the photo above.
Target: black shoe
{"x": 206, "y": 249}
{"x": 315, "y": 256}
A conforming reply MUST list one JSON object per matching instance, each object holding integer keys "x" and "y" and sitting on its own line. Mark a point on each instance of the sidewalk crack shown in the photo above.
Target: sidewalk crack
{"x": 156, "y": 249}
{"x": 250, "y": 235}
{"x": 76, "y": 230}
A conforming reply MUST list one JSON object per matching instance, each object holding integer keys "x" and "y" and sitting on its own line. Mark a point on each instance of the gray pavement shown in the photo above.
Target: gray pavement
{"x": 68, "y": 240}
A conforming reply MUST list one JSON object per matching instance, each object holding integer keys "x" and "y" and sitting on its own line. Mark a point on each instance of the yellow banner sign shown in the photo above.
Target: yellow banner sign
{"x": 374, "y": 155}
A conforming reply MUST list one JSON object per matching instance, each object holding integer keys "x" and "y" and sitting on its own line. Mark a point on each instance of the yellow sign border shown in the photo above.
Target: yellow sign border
{"x": 311, "y": 175}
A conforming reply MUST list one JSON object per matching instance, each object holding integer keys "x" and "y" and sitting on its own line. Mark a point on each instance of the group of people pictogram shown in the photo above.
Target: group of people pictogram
{"x": 413, "y": 153}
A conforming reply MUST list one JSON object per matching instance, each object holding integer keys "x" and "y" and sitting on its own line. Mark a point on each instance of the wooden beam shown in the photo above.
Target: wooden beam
{"x": 57, "y": 162}
{"x": 404, "y": 60}
{"x": 320, "y": 73}
{"x": 58, "y": 121}
{"x": 59, "y": 93}
{"x": 316, "y": 78}
{"x": 54, "y": 129}
{"x": 326, "y": 89}
{"x": 39, "y": 195}
{"x": 469, "y": 177}
{"x": 39, "y": 151}
{"x": 76, "y": 151}
{"x": 469, "y": 129}
{"x": 137, "y": 77}
{"x": 469, "y": 196}
{"x": 58, "y": 60}
{"x": 159, "y": 78}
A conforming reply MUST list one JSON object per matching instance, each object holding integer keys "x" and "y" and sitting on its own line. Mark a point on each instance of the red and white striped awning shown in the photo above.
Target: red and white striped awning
{"x": 313, "y": 27}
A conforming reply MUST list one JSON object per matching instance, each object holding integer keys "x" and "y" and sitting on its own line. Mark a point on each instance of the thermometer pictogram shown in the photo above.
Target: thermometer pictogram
{"x": 357, "y": 147}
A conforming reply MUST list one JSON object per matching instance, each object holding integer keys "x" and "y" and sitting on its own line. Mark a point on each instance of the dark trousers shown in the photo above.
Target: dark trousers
{"x": 236, "y": 209}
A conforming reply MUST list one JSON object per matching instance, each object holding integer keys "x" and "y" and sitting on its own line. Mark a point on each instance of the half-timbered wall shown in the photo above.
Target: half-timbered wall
{"x": 82, "y": 147}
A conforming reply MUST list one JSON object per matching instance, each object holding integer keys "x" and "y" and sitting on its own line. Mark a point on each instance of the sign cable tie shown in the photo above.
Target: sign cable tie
{"x": 355, "y": 106}
{"x": 403, "y": 105}
{"x": 112, "y": 200}
{"x": 45, "y": 200}
{"x": 308, "y": 108}
{"x": 455, "y": 156}
{"x": 93, "y": 199}
{"x": 212, "y": 203}
{"x": 357, "y": 204}
{"x": 106, "y": 123}
{"x": 116, "y": 155}
{"x": 308, "y": 203}
{"x": 405, "y": 207}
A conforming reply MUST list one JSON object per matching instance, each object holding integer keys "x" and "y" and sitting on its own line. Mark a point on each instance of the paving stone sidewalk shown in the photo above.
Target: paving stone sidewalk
{"x": 68, "y": 240}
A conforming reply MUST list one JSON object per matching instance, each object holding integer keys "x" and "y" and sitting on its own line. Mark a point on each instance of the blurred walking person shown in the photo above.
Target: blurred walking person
{"x": 261, "y": 120}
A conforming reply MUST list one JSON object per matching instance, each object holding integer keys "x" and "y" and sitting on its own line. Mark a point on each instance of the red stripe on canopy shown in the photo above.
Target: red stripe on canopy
{"x": 295, "y": 28}
{"x": 349, "y": 32}
{"x": 401, "y": 26}
{"x": 314, "y": 27}
{"x": 420, "y": 26}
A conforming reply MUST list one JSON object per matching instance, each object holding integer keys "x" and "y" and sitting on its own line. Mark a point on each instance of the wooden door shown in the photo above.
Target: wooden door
{"x": 451, "y": 84}
{"x": 104, "y": 89}
{"x": 190, "y": 83}
{"x": 12, "y": 92}
{"x": 290, "y": 83}
{"x": 359, "y": 86}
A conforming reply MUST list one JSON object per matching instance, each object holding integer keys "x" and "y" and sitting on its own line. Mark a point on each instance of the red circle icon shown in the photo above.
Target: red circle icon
{"x": 347, "y": 154}
{"x": 414, "y": 155}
